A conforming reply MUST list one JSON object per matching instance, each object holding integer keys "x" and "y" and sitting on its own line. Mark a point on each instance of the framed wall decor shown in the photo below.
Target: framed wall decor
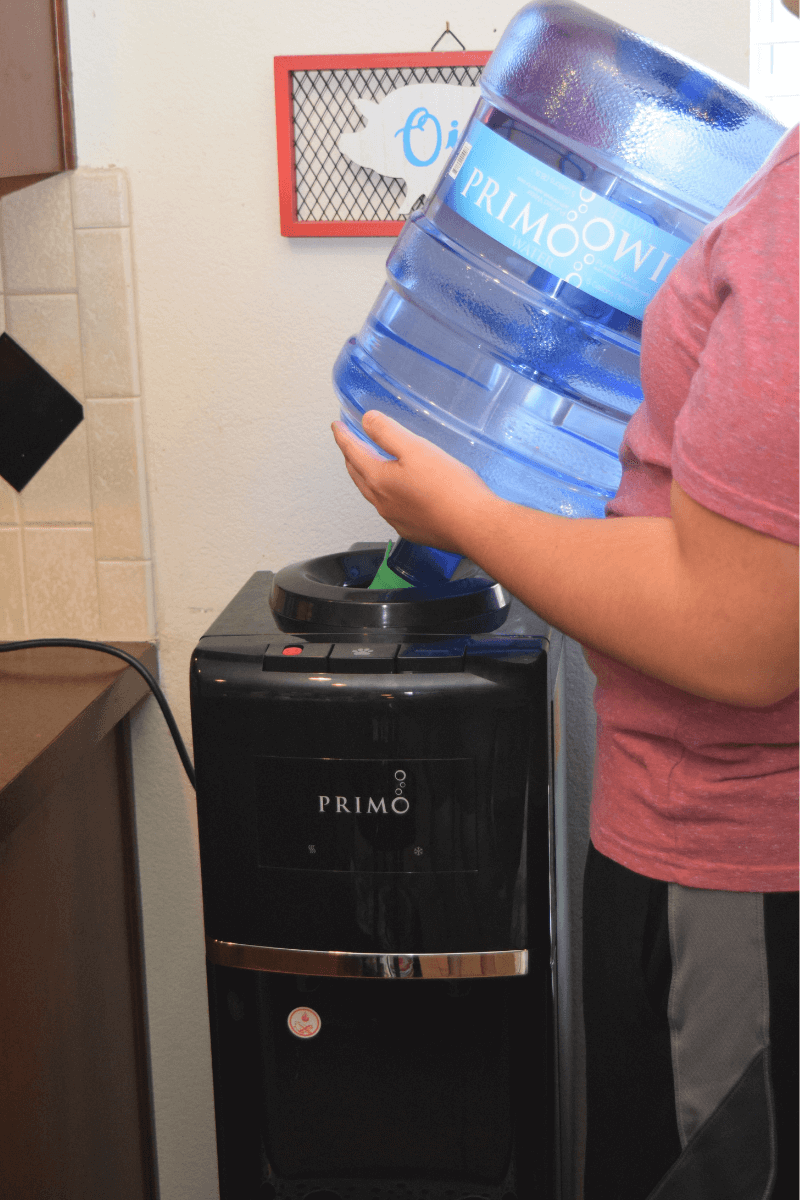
{"x": 363, "y": 138}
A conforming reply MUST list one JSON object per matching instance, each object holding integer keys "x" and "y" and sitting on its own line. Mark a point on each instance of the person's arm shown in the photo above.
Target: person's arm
{"x": 697, "y": 600}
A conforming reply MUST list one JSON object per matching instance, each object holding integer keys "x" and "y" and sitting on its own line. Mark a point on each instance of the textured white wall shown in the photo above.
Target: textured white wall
{"x": 238, "y": 332}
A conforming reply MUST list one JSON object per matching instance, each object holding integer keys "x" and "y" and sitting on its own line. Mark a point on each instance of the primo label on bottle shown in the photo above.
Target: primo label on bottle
{"x": 554, "y": 222}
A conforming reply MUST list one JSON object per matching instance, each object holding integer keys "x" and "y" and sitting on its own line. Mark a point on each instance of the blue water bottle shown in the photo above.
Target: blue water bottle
{"x": 508, "y": 330}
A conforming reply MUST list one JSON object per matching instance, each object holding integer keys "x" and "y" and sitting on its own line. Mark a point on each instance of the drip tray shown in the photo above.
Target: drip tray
{"x": 333, "y": 592}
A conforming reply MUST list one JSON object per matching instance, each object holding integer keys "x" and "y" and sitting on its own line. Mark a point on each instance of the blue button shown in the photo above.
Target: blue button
{"x": 432, "y": 656}
{"x": 496, "y": 647}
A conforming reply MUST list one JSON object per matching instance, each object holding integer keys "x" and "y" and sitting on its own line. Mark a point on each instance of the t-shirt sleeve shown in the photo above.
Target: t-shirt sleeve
{"x": 735, "y": 449}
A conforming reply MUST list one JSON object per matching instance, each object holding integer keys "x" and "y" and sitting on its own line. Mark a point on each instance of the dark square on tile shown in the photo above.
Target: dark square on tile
{"x": 37, "y": 414}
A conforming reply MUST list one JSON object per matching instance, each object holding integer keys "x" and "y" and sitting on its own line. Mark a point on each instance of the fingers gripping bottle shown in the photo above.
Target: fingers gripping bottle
{"x": 508, "y": 330}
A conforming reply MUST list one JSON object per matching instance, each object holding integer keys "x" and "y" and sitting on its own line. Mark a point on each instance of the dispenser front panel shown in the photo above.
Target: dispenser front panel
{"x": 450, "y": 859}
{"x": 374, "y": 815}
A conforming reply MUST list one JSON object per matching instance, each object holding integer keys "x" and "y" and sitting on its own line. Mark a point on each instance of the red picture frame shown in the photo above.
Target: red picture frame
{"x": 285, "y": 68}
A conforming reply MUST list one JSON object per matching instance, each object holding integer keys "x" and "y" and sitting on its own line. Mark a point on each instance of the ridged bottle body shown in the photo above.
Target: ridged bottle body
{"x": 508, "y": 331}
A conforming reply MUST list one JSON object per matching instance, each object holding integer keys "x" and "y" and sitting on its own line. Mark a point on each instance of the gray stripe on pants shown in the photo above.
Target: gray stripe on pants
{"x": 719, "y": 996}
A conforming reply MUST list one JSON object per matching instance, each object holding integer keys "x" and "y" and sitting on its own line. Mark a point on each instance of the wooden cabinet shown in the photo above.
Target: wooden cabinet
{"x": 76, "y": 1119}
{"x": 36, "y": 125}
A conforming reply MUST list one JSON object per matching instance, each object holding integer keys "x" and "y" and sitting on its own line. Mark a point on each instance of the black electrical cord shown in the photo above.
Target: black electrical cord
{"x": 152, "y": 683}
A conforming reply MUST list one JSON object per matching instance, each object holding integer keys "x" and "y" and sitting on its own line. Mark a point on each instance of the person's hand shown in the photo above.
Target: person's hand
{"x": 426, "y": 495}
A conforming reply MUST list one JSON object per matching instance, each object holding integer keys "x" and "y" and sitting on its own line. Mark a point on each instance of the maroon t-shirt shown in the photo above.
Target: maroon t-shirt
{"x": 690, "y": 790}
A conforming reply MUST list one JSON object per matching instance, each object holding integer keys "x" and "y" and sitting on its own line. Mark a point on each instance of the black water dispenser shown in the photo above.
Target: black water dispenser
{"x": 375, "y": 782}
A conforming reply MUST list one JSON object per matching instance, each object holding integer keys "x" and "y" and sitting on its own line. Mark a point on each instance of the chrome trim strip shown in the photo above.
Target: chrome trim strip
{"x": 345, "y": 964}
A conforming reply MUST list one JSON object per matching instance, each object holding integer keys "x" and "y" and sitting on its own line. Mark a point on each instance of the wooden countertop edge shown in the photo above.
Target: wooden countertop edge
{"x": 113, "y": 702}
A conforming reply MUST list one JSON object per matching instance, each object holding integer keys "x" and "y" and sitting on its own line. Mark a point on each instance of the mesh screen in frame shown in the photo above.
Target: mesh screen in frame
{"x": 327, "y": 191}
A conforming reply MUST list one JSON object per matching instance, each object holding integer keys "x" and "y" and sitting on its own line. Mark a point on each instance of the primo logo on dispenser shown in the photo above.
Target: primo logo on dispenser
{"x": 398, "y": 804}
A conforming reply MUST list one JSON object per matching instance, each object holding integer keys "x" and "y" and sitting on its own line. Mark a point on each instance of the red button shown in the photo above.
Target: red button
{"x": 292, "y": 651}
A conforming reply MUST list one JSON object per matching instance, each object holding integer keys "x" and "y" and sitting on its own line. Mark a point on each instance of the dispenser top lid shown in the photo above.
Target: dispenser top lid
{"x": 331, "y": 593}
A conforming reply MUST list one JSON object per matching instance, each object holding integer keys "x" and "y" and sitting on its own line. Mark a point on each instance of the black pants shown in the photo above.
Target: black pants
{"x": 690, "y": 1009}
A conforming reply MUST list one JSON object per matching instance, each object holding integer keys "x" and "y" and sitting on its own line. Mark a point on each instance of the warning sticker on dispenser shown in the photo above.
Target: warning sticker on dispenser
{"x": 583, "y": 238}
{"x": 304, "y": 1022}
{"x": 371, "y": 815}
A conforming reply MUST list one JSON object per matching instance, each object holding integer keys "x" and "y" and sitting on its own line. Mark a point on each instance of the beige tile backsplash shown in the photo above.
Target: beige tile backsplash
{"x": 9, "y": 506}
{"x": 51, "y": 331}
{"x": 125, "y": 594}
{"x": 99, "y": 199}
{"x": 105, "y": 299}
{"x": 61, "y": 581}
{"x": 60, "y": 492}
{"x": 74, "y": 549}
{"x": 114, "y": 447}
{"x": 12, "y": 612}
{"x": 37, "y": 238}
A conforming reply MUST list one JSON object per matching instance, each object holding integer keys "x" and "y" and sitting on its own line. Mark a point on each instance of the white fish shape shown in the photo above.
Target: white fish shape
{"x": 411, "y": 133}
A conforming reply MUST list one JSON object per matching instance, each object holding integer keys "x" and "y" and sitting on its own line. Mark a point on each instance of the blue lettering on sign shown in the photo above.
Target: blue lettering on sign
{"x": 418, "y": 119}
{"x": 584, "y": 239}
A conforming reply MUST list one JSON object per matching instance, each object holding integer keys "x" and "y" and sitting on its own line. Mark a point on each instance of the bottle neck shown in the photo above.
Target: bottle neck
{"x": 422, "y": 565}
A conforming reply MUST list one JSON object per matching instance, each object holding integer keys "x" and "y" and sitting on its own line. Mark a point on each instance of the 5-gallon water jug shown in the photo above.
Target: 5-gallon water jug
{"x": 508, "y": 331}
